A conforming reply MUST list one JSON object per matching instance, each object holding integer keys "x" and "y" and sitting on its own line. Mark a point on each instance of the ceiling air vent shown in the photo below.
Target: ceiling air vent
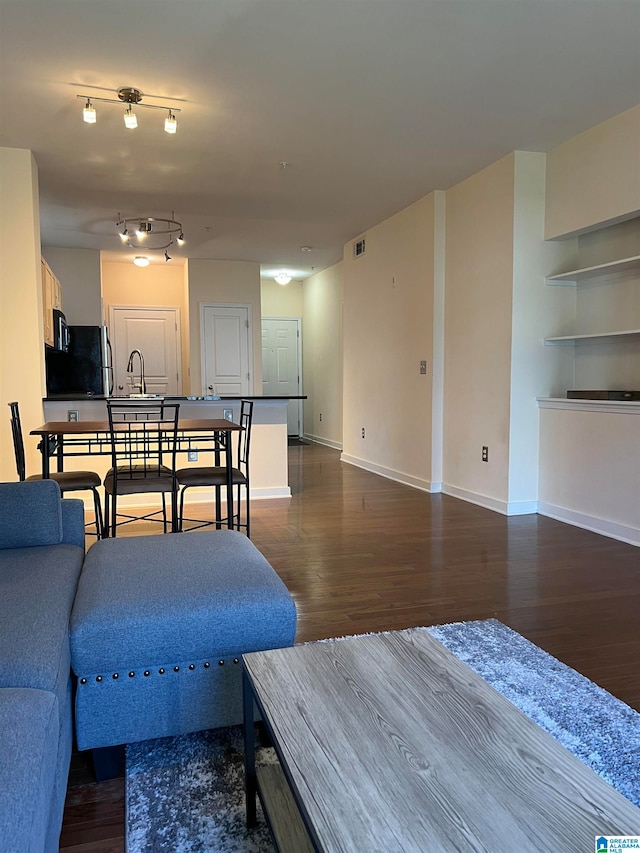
{"x": 359, "y": 248}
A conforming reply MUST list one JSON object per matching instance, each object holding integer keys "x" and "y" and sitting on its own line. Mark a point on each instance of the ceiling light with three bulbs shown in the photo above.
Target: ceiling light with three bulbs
{"x": 132, "y": 97}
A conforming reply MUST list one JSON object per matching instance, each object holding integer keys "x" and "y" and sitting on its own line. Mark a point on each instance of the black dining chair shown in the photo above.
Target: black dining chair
{"x": 143, "y": 435}
{"x": 216, "y": 476}
{"x": 69, "y": 481}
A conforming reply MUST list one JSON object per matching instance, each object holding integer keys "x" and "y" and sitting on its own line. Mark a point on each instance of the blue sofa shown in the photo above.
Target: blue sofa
{"x": 41, "y": 557}
{"x": 153, "y": 627}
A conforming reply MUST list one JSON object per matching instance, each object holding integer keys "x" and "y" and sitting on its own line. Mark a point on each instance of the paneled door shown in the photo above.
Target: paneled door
{"x": 281, "y": 365}
{"x": 226, "y": 336}
{"x": 156, "y": 333}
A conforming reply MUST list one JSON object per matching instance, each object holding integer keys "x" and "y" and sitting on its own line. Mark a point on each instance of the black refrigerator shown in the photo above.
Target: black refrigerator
{"x": 87, "y": 366}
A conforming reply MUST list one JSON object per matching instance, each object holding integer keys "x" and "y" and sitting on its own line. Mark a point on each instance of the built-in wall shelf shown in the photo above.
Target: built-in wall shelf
{"x": 574, "y": 277}
{"x": 600, "y": 337}
{"x": 627, "y": 407}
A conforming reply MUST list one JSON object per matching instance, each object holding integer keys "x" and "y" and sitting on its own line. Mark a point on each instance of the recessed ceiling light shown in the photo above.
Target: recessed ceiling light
{"x": 141, "y": 261}
{"x": 305, "y": 248}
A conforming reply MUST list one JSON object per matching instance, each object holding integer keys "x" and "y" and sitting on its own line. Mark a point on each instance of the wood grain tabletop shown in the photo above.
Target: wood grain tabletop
{"x": 391, "y": 743}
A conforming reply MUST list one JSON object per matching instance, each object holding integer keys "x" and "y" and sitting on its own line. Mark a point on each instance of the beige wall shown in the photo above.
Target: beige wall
{"x": 322, "y": 355}
{"x": 590, "y": 474}
{"x": 594, "y": 178}
{"x": 155, "y": 286}
{"x": 224, "y": 282}
{"x": 22, "y": 375}
{"x": 281, "y": 300}
{"x": 388, "y": 330}
{"x": 478, "y": 301}
{"x": 78, "y": 271}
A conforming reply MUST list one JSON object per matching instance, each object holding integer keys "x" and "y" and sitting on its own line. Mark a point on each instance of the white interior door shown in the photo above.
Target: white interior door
{"x": 281, "y": 365}
{"x": 156, "y": 333}
{"x": 226, "y": 331}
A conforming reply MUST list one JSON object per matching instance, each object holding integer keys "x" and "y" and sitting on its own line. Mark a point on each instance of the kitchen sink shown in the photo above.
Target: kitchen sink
{"x": 146, "y": 396}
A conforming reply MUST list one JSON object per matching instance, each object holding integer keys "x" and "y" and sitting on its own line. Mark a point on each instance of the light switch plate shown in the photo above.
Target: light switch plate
{"x": 423, "y": 367}
{"x": 228, "y": 414}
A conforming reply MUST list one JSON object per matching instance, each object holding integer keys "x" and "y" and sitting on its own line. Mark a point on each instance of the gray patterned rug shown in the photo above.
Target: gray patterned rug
{"x": 185, "y": 794}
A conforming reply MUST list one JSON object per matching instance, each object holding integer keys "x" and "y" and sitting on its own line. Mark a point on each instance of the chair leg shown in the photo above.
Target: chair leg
{"x": 98, "y": 512}
{"x": 106, "y": 522}
{"x": 181, "y": 510}
{"x": 114, "y": 513}
{"x": 174, "y": 511}
{"x": 218, "y": 509}
{"x": 246, "y": 490}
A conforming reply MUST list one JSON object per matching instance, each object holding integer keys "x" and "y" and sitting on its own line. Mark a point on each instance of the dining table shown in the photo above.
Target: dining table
{"x": 64, "y": 439}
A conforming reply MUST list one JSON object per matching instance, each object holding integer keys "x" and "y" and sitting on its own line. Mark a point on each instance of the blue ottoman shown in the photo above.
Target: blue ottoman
{"x": 157, "y": 630}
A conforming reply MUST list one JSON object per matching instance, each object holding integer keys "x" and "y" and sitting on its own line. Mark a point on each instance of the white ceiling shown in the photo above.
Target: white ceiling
{"x": 372, "y": 103}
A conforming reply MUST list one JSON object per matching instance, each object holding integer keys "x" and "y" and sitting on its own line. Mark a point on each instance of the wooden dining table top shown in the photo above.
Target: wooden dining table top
{"x": 84, "y": 427}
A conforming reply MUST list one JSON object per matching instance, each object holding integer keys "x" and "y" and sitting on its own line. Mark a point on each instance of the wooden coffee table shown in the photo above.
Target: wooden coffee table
{"x": 389, "y": 742}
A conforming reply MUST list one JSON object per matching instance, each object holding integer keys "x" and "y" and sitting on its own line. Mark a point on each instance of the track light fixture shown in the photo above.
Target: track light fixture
{"x": 170, "y": 123}
{"x": 132, "y": 97}
{"x": 130, "y": 119}
{"x": 89, "y": 112}
{"x": 167, "y": 256}
{"x": 150, "y": 233}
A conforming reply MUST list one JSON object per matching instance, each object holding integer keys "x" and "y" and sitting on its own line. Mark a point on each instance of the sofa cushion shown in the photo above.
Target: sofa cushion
{"x": 30, "y": 514}
{"x": 28, "y": 751}
{"x": 37, "y": 588}
{"x": 171, "y": 597}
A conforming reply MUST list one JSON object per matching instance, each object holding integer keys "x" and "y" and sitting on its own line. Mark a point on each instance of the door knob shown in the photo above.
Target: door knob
{"x": 120, "y": 387}
{"x": 210, "y": 387}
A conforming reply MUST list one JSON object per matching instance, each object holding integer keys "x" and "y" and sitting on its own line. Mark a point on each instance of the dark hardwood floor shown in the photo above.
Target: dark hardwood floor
{"x": 360, "y": 553}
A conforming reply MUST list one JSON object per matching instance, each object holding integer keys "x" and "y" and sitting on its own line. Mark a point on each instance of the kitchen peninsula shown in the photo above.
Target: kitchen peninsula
{"x": 269, "y": 474}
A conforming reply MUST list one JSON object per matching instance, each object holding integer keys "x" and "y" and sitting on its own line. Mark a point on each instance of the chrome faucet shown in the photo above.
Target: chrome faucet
{"x": 143, "y": 385}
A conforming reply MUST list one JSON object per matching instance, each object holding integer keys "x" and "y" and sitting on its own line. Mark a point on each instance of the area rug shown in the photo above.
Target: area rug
{"x": 186, "y": 794}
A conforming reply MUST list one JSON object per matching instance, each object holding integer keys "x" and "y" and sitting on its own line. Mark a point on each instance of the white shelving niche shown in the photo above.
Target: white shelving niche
{"x": 606, "y": 340}
{"x": 574, "y": 277}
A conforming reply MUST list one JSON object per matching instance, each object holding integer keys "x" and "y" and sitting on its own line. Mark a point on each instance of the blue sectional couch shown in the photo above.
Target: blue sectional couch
{"x": 41, "y": 557}
{"x": 154, "y": 628}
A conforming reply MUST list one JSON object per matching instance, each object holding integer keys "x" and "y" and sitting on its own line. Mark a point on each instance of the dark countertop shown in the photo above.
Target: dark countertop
{"x": 57, "y": 398}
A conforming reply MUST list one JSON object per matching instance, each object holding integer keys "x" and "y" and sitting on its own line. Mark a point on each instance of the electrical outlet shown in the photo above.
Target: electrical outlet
{"x": 72, "y": 415}
{"x": 228, "y": 414}
{"x": 192, "y": 455}
{"x": 485, "y": 453}
{"x": 363, "y": 432}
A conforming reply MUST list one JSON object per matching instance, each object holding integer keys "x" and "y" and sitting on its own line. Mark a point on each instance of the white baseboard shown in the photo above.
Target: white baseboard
{"x": 193, "y": 496}
{"x": 623, "y": 532}
{"x": 391, "y": 474}
{"x": 503, "y": 507}
{"x": 318, "y": 439}
{"x": 205, "y": 496}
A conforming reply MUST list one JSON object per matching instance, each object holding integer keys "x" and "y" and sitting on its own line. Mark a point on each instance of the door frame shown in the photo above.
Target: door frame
{"x": 178, "y": 318}
{"x": 250, "y": 365}
{"x": 298, "y": 321}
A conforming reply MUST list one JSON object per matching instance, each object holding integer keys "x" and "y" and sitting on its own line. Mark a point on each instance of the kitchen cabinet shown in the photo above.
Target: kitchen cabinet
{"x": 51, "y": 299}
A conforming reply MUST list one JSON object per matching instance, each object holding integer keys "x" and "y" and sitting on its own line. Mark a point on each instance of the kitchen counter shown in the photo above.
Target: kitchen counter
{"x": 56, "y": 398}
